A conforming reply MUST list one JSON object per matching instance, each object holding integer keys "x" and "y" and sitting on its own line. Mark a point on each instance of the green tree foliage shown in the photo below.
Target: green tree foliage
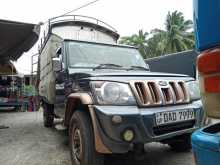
{"x": 176, "y": 37}
{"x": 139, "y": 40}
{"x": 156, "y": 45}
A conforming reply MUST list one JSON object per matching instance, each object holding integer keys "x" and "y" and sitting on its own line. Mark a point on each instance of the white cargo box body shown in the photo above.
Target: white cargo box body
{"x": 73, "y": 27}
{"x": 83, "y": 28}
{"x": 83, "y": 33}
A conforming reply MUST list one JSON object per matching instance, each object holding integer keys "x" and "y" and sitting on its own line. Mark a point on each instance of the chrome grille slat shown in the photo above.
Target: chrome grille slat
{"x": 150, "y": 93}
{"x": 155, "y": 93}
{"x": 140, "y": 91}
{"x": 167, "y": 95}
{"x": 177, "y": 91}
{"x": 185, "y": 92}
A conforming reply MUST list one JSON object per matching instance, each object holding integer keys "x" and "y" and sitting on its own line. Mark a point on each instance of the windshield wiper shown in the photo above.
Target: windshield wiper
{"x": 139, "y": 68}
{"x": 107, "y": 66}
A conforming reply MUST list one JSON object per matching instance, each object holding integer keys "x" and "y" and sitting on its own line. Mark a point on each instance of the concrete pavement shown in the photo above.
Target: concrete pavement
{"x": 27, "y": 142}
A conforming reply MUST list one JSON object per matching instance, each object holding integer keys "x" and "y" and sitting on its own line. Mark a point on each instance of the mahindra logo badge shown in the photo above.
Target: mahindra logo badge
{"x": 163, "y": 83}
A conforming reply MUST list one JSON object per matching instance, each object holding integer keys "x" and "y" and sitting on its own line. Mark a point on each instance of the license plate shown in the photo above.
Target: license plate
{"x": 174, "y": 116}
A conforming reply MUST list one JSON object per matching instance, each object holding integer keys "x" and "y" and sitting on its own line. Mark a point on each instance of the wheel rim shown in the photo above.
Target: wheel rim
{"x": 77, "y": 145}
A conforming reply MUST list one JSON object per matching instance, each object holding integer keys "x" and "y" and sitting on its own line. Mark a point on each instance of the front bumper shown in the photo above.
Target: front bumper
{"x": 142, "y": 122}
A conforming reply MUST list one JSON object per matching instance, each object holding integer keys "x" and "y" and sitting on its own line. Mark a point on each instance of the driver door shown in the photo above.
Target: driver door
{"x": 59, "y": 106}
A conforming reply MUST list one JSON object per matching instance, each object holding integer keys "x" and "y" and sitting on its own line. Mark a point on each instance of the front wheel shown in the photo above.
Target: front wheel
{"x": 181, "y": 144}
{"x": 82, "y": 141}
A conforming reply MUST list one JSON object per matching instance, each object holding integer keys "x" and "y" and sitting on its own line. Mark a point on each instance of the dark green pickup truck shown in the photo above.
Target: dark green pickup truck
{"x": 107, "y": 97}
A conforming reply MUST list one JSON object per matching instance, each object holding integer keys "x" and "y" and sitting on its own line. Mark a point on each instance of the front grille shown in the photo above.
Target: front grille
{"x": 158, "y": 93}
{"x": 160, "y": 130}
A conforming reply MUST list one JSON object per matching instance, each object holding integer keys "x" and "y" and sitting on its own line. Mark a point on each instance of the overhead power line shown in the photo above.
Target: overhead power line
{"x": 85, "y": 5}
{"x": 74, "y": 10}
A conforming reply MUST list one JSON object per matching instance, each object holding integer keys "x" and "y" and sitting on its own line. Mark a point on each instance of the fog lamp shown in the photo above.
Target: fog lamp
{"x": 128, "y": 135}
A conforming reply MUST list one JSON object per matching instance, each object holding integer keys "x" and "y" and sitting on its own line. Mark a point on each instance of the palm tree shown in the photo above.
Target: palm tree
{"x": 156, "y": 45}
{"x": 139, "y": 40}
{"x": 176, "y": 37}
{"x": 179, "y": 37}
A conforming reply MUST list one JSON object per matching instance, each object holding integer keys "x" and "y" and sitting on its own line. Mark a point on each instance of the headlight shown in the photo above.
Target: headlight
{"x": 194, "y": 91}
{"x": 112, "y": 93}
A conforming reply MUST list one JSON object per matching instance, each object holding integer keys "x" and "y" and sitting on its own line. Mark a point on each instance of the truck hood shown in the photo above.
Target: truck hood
{"x": 119, "y": 73}
{"x": 16, "y": 38}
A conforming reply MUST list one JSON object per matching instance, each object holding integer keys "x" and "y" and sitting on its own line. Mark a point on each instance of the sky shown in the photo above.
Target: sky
{"x": 127, "y": 16}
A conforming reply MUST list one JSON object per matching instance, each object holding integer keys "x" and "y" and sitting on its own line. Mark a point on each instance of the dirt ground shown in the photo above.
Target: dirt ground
{"x": 27, "y": 142}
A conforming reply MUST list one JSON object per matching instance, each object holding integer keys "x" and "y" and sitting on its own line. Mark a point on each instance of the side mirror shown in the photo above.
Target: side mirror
{"x": 148, "y": 66}
{"x": 57, "y": 64}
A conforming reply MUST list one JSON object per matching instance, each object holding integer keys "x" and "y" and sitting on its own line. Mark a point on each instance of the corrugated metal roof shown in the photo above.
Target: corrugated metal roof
{"x": 16, "y": 38}
{"x": 8, "y": 68}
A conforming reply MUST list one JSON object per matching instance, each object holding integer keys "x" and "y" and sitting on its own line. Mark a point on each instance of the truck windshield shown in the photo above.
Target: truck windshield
{"x": 91, "y": 55}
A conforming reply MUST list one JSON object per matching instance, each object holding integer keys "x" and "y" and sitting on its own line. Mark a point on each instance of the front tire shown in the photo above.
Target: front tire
{"x": 48, "y": 114}
{"x": 181, "y": 144}
{"x": 82, "y": 147}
